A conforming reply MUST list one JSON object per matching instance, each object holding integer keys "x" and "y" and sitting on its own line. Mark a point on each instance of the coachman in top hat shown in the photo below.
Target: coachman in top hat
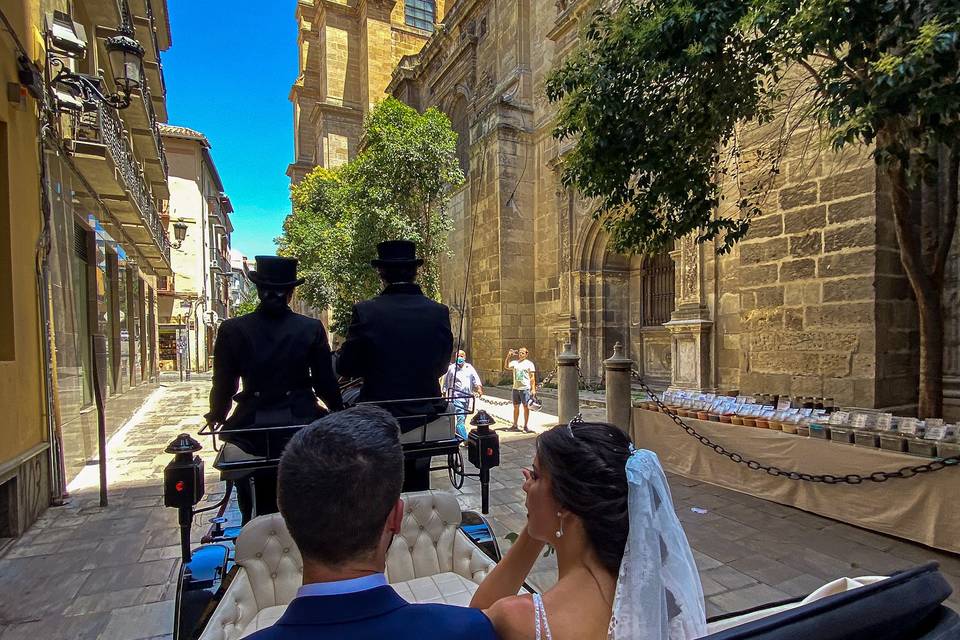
{"x": 400, "y": 343}
{"x": 284, "y": 361}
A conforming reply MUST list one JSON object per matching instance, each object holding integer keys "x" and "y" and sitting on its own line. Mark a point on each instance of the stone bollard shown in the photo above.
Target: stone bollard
{"x": 619, "y": 401}
{"x": 568, "y": 385}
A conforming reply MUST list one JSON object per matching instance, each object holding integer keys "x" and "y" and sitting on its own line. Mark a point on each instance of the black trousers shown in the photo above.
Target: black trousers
{"x": 416, "y": 474}
{"x": 257, "y": 494}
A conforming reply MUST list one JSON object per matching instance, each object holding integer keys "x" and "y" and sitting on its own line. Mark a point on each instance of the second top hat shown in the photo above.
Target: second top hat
{"x": 395, "y": 253}
{"x": 276, "y": 271}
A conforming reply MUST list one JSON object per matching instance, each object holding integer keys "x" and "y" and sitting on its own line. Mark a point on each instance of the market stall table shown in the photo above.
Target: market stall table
{"x": 922, "y": 509}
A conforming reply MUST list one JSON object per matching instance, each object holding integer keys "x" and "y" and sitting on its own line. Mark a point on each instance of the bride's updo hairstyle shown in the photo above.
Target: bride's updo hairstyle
{"x": 586, "y": 462}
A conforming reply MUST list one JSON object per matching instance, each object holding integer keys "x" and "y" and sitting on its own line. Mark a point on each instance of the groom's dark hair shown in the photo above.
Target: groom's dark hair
{"x": 586, "y": 462}
{"x": 338, "y": 480}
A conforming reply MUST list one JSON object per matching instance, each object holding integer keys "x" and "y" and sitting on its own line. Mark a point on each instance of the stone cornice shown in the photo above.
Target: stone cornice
{"x": 568, "y": 17}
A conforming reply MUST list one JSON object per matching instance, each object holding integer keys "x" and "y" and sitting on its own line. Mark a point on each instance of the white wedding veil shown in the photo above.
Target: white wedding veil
{"x": 658, "y": 595}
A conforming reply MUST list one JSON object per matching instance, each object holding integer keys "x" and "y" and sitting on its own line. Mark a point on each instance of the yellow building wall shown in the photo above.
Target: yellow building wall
{"x": 21, "y": 356}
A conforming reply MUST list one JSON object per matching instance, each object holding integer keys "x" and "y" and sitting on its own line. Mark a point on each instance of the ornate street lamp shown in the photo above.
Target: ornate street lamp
{"x": 123, "y": 50}
{"x": 179, "y": 234}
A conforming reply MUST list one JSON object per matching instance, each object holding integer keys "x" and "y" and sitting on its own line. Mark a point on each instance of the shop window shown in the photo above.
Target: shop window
{"x": 7, "y": 335}
{"x": 80, "y": 273}
{"x": 112, "y": 304}
{"x": 658, "y": 289}
{"x": 420, "y": 14}
{"x": 133, "y": 326}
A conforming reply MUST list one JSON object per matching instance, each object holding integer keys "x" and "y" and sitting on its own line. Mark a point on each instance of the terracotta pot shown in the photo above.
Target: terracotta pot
{"x": 750, "y": 422}
{"x": 763, "y": 423}
{"x": 703, "y": 415}
{"x": 714, "y": 417}
{"x": 726, "y": 418}
{"x": 737, "y": 420}
{"x": 789, "y": 427}
{"x": 776, "y": 425}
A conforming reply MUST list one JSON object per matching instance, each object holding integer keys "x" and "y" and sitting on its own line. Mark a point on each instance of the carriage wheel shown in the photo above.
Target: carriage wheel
{"x": 455, "y": 469}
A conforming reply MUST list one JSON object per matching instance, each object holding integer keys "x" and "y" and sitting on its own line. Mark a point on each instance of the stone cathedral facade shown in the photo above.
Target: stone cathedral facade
{"x": 812, "y": 303}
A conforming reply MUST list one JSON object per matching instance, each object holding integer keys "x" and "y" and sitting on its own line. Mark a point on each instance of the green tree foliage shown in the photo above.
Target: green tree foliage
{"x": 659, "y": 91}
{"x": 397, "y": 187}
{"x": 247, "y": 305}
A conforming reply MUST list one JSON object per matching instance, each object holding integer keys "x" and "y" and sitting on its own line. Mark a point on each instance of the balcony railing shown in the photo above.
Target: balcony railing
{"x": 156, "y": 46}
{"x": 154, "y": 127}
{"x": 103, "y": 126}
{"x": 219, "y": 261}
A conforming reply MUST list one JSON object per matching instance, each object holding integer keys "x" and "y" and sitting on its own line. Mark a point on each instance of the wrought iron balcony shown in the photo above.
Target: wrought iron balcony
{"x": 103, "y": 153}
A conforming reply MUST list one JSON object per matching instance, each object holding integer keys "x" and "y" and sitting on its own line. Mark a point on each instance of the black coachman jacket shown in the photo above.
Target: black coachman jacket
{"x": 399, "y": 343}
{"x": 285, "y": 364}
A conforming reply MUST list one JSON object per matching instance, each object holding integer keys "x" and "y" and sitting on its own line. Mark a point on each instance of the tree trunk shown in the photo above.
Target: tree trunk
{"x": 930, "y": 397}
{"x": 927, "y": 283}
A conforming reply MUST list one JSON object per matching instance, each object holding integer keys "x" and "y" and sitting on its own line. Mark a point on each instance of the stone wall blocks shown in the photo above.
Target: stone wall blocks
{"x": 808, "y": 244}
{"x": 793, "y": 319}
{"x": 767, "y": 226}
{"x": 840, "y": 389}
{"x": 798, "y": 196}
{"x": 853, "y": 209}
{"x": 849, "y": 289}
{"x": 850, "y": 183}
{"x": 805, "y": 220}
{"x": 847, "y": 263}
{"x": 864, "y": 365}
{"x": 756, "y": 276}
{"x": 806, "y": 385}
{"x": 847, "y": 313}
{"x": 761, "y": 319}
{"x": 861, "y": 234}
{"x": 793, "y": 295}
{"x": 792, "y": 270}
{"x": 835, "y": 365}
{"x": 765, "y": 251}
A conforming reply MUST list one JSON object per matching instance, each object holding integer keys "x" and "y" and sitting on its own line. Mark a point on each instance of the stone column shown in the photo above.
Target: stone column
{"x": 568, "y": 384}
{"x": 618, "y": 368}
{"x": 690, "y": 325}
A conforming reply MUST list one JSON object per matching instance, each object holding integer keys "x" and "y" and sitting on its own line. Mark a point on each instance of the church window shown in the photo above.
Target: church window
{"x": 420, "y": 14}
{"x": 658, "y": 289}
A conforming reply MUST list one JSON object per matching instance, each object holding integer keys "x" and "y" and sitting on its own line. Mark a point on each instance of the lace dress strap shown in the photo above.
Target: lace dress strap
{"x": 540, "y": 618}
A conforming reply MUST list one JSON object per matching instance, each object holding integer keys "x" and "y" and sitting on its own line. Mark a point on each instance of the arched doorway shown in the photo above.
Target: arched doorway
{"x": 625, "y": 299}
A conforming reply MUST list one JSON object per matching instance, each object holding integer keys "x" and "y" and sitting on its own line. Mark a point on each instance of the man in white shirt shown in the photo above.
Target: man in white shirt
{"x": 524, "y": 384}
{"x": 461, "y": 381}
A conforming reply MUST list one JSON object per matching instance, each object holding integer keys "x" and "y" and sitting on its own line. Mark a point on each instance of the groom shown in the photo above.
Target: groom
{"x": 339, "y": 493}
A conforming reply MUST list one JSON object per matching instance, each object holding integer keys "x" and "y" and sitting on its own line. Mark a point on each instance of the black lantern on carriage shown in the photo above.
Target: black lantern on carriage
{"x": 483, "y": 451}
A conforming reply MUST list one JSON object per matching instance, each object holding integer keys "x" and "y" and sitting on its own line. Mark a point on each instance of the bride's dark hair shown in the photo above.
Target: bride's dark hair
{"x": 586, "y": 462}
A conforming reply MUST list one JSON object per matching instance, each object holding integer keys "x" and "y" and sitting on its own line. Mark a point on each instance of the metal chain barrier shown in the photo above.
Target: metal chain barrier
{"x": 509, "y": 403}
{"x": 826, "y": 478}
{"x": 591, "y": 388}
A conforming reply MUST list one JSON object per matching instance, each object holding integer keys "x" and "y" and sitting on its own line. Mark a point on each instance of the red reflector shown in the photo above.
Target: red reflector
{"x": 179, "y": 486}
{"x": 489, "y": 451}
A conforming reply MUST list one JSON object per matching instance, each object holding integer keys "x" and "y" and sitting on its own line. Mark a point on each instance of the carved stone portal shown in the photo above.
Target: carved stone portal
{"x": 690, "y": 325}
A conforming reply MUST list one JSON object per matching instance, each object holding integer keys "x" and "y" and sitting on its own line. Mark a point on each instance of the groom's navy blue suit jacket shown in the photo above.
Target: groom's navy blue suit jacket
{"x": 375, "y": 614}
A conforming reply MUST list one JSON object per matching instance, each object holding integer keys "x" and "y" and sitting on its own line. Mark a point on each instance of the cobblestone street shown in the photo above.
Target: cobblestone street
{"x": 83, "y": 571}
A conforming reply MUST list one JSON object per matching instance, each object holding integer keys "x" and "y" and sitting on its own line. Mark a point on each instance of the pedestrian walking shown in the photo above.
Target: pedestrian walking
{"x": 460, "y": 383}
{"x": 524, "y": 384}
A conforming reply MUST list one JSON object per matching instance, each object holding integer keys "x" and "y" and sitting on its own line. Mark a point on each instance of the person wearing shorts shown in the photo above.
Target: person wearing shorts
{"x": 524, "y": 384}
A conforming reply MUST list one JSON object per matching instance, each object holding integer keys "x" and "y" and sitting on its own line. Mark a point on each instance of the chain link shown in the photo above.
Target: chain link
{"x": 591, "y": 388}
{"x": 826, "y": 478}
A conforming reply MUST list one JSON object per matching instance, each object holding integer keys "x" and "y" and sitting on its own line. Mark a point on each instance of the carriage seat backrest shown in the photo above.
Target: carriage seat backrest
{"x": 429, "y": 541}
{"x": 271, "y": 560}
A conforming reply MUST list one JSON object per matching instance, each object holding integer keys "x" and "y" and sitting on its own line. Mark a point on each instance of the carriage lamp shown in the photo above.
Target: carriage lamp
{"x": 183, "y": 485}
{"x": 179, "y": 234}
{"x": 483, "y": 452}
{"x": 126, "y": 60}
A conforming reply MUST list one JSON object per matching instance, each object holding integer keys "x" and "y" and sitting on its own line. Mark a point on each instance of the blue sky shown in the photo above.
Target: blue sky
{"x": 228, "y": 75}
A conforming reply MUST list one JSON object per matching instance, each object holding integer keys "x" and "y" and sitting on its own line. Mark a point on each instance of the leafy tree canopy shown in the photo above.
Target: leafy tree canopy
{"x": 397, "y": 187}
{"x": 657, "y": 89}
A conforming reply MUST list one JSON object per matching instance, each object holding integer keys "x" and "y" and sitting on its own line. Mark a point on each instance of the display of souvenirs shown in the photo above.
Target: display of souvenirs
{"x": 818, "y": 418}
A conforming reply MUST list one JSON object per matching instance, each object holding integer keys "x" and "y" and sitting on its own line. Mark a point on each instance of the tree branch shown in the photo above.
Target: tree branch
{"x": 814, "y": 74}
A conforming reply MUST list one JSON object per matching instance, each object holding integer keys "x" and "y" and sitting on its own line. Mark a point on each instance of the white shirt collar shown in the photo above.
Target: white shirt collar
{"x": 340, "y": 587}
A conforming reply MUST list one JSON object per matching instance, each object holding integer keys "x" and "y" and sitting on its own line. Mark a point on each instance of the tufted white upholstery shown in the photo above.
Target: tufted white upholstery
{"x": 443, "y": 428}
{"x": 430, "y": 560}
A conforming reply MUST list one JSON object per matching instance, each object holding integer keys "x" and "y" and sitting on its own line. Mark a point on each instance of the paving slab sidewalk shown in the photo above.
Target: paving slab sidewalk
{"x": 84, "y": 572}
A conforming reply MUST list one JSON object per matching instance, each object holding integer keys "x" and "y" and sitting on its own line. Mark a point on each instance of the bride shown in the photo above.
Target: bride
{"x": 625, "y": 568}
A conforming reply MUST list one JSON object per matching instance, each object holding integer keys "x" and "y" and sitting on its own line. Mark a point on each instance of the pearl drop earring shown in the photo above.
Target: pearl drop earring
{"x": 559, "y": 532}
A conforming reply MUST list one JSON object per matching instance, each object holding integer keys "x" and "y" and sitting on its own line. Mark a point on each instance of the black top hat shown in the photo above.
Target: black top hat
{"x": 395, "y": 253}
{"x": 274, "y": 271}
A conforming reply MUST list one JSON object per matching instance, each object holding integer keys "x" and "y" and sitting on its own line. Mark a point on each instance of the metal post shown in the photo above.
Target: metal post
{"x": 619, "y": 401}
{"x": 568, "y": 387}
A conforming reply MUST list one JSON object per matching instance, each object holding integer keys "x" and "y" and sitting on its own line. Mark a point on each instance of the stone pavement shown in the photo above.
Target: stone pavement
{"x": 84, "y": 572}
